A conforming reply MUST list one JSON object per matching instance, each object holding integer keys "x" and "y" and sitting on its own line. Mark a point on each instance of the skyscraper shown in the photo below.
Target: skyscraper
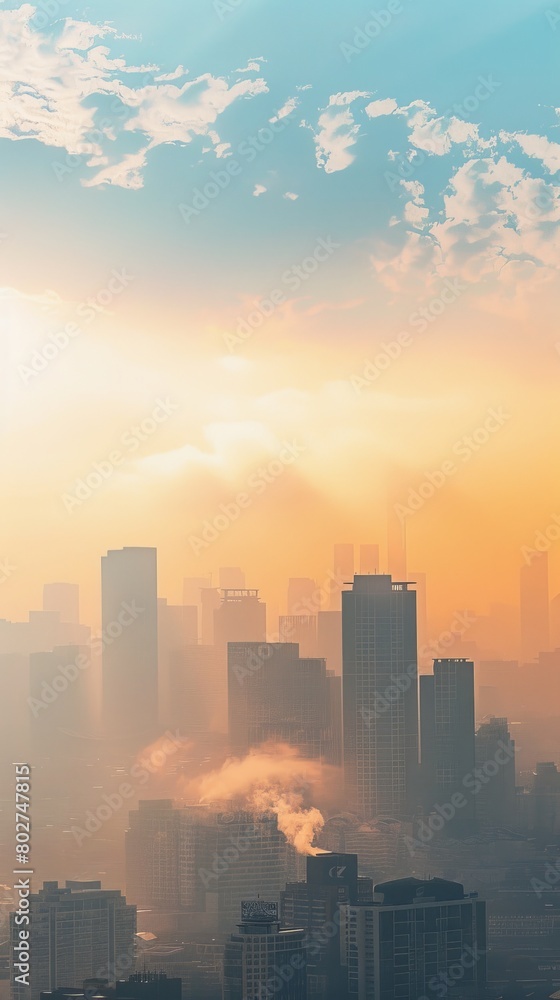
{"x": 130, "y": 652}
{"x": 274, "y": 694}
{"x": 194, "y": 864}
{"x": 534, "y": 607}
{"x": 332, "y": 879}
{"x": 447, "y": 739}
{"x": 263, "y": 959}
{"x": 78, "y": 932}
{"x": 380, "y": 699}
{"x": 417, "y": 939}
{"x": 495, "y": 802}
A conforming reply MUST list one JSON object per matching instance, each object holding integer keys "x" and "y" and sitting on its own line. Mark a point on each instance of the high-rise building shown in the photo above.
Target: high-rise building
{"x": 264, "y": 959}
{"x": 240, "y": 617}
{"x": 534, "y": 607}
{"x": 130, "y": 651}
{"x": 332, "y": 879}
{"x": 197, "y": 691}
{"x": 555, "y": 622}
{"x": 193, "y": 865}
{"x": 417, "y": 939}
{"x": 76, "y": 933}
{"x": 447, "y": 738}
{"x": 379, "y": 696}
{"x": 177, "y": 630}
{"x": 62, "y": 697}
{"x": 495, "y": 801}
{"x": 274, "y": 694}
{"x": 64, "y": 598}
{"x": 210, "y": 601}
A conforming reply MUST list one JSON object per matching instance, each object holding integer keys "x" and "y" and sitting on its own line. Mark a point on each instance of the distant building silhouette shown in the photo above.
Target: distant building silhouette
{"x": 534, "y": 607}
{"x": 447, "y": 741}
{"x": 130, "y": 644}
{"x": 380, "y": 699}
{"x": 274, "y": 694}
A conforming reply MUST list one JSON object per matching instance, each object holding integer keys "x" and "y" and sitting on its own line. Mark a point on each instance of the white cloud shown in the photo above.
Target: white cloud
{"x": 47, "y": 84}
{"x": 291, "y": 196}
{"x": 286, "y": 109}
{"x": 384, "y": 107}
{"x": 337, "y": 133}
{"x": 538, "y": 147}
{"x": 258, "y": 190}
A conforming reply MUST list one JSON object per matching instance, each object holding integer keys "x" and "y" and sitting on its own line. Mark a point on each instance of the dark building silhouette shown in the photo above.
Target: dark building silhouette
{"x": 274, "y": 694}
{"x": 419, "y": 938}
{"x": 380, "y": 699}
{"x": 495, "y": 802}
{"x": 76, "y": 932}
{"x": 447, "y": 741}
{"x": 332, "y": 879}
{"x": 534, "y": 607}
{"x": 130, "y": 644}
{"x": 329, "y": 639}
{"x": 264, "y": 959}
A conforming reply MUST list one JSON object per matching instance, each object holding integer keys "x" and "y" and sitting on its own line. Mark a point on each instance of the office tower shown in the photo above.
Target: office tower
{"x": 231, "y": 578}
{"x": 177, "y": 630}
{"x": 193, "y": 865}
{"x": 274, "y": 695}
{"x": 369, "y": 559}
{"x": 78, "y": 932}
{"x": 301, "y": 629}
{"x": 240, "y": 617}
{"x": 332, "y": 879}
{"x": 302, "y": 596}
{"x": 263, "y": 959}
{"x": 534, "y": 609}
{"x": 418, "y": 938}
{"x": 64, "y": 598}
{"x": 447, "y": 739}
{"x": 130, "y": 651}
{"x": 343, "y": 566}
{"x": 379, "y": 697}
{"x": 396, "y": 542}
{"x": 495, "y": 802}
{"x": 376, "y": 843}
{"x": 329, "y": 639}
{"x": 197, "y": 691}
{"x": 62, "y": 697}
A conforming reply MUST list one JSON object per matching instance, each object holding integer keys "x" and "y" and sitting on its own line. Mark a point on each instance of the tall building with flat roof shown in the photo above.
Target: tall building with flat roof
{"x": 447, "y": 740}
{"x": 130, "y": 644}
{"x": 274, "y": 694}
{"x": 379, "y": 697}
{"x": 77, "y": 932}
{"x": 534, "y": 607}
{"x": 264, "y": 959}
{"x": 417, "y": 939}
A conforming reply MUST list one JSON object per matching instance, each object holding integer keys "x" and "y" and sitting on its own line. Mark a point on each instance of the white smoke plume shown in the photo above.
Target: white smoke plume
{"x": 272, "y": 779}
